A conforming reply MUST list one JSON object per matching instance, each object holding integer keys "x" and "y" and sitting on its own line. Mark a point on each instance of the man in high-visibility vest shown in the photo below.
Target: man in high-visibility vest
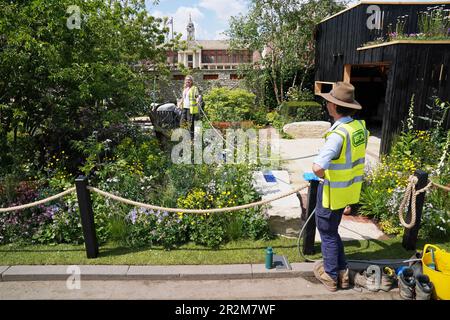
{"x": 189, "y": 104}
{"x": 340, "y": 164}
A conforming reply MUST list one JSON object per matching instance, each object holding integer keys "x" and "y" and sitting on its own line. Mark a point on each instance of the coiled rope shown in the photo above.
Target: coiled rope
{"x": 410, "y": 197}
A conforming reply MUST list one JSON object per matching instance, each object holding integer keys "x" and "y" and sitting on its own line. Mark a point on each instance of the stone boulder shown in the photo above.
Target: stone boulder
{"x": 307, "y": 129}
{"x": 283, "y": 214}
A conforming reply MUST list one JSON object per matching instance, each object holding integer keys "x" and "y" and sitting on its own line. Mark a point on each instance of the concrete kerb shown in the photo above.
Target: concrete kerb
{"x": 184, "y": 272}
{"x": 3, "y": 269}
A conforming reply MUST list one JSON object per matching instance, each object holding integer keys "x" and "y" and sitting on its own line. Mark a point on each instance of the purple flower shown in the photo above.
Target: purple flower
{"x": 132, "y": 216}
{"x": 51, "y": 211}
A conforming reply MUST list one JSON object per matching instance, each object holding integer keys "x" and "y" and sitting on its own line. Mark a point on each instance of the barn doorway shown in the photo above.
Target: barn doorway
{"x": 370, "y": 82}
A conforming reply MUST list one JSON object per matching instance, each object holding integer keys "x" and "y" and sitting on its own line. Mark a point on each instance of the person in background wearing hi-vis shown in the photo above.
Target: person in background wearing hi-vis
{"x": 340, "y": 164}
{"x": 189, "y": 104}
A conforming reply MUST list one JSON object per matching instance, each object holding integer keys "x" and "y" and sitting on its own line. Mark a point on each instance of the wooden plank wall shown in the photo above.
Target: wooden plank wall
{"x": 348, "y": 31}
{"x": 415, "y": 72}
{"x": 411, "y": 67}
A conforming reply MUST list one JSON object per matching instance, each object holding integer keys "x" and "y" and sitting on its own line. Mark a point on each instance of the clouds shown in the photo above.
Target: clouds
{"x": 181, "y": 19}
{"x": 224, "y": 9}
{"x": 210, "y": 17}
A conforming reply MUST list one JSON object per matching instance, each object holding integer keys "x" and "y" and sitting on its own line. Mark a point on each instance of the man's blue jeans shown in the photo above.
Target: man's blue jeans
{"x": 327, "y": 222}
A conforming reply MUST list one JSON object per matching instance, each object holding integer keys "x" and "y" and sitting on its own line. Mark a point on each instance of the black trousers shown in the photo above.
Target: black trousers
{"x": 188, "y": 120}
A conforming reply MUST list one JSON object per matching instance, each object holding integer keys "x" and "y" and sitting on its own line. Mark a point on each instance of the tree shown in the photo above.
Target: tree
{"x": 60, "y": 83}
{"x": 282, "y": 31}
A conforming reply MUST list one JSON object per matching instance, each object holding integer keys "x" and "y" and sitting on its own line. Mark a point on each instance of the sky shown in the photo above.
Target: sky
{"x": 210, "y": 17}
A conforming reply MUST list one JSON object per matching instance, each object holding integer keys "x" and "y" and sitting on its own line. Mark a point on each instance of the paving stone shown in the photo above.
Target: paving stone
{"x": 307, "y": 129}
{"x": 35, "y": 273}
{"x": 3, "y": 269}
{"x": 304, "y": 269}
{"x": 87, "y": 272}
{"x": 284, "y": 214}
{"x": 209, "y": 272}
{"x": 154, "y": 272}
{"x": 103, "y": 272}
{"x": 260, "y": 271}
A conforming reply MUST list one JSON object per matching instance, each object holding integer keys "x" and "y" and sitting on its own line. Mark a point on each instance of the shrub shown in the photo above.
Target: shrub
{"x": 384, "y": 186}
{"x": 224, "y": 104}
{"x": 295, "y": 111}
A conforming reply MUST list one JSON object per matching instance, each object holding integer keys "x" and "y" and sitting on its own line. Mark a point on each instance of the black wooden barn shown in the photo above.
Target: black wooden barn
{"x": 387, "y": 75}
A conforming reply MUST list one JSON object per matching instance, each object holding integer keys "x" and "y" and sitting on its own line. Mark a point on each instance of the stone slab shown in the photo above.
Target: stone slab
{"x": 183, "y": 272}
{"x": 351, "y": 229}
{"x": 285, "y": 221}
{"x": 259, "y": 271}
{"x": 41, "y": 273}
{"x": 103, "y": 272}
{"x": 304, "y": 269}
{"x": 272, "y": 189}
{"x": 211, "y": 272}
{"x": 153, "y": 272}
{"x": 307, "y": 129}
{"x": 3, "y": 269}
{"x": 35, "y": 273}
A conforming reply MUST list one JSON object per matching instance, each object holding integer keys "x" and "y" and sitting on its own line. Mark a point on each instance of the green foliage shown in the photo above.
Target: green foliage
{"x": 384, "y": 186}
{"x": 225, "y": 104}
{"x": 294, "y": 111}
{"x": 434, "y": 22}
{"x": 282, "y": 30}
{"x": 59, "y": 85}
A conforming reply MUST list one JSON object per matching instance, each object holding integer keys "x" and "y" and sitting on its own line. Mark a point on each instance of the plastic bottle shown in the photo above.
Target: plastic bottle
{"x": 269, "y": 258}
{"x": 432, "y": 265}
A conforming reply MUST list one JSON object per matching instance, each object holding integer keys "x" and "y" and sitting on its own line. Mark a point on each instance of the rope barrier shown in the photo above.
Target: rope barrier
{"x": 216, "y": 210}
{"x": 437, "y": 185}
{"x": 263, "y": 158}
{"x": 36, "y": 203}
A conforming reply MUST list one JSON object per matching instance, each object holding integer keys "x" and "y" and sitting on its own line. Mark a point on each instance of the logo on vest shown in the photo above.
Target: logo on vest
{"x": 358, "y": 138}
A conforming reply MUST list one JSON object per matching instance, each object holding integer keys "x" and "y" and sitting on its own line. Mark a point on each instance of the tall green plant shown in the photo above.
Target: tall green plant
{"x": 282, "y": 32}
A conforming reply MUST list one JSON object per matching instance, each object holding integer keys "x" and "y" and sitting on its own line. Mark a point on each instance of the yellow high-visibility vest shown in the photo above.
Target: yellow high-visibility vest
{"x": 193, "y": 106}
{"x": 343, "y": 178}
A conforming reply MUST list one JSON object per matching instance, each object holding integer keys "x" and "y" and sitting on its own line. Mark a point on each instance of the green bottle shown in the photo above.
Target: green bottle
{"x": 269, "y": 258}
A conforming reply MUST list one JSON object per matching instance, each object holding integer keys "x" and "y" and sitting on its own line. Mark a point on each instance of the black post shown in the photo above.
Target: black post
{"x": 87, "y": 217}
{"x": 310, "y": 231}
{"x": 410, "y": 235}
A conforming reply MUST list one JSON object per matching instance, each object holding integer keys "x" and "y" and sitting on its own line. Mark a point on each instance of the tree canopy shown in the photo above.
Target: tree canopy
{"x": 282, "y": 31}
{"x": 60, "y": 82}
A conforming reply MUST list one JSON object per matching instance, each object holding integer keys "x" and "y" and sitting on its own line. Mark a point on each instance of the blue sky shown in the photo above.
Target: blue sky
{"x": 209, "y": 16}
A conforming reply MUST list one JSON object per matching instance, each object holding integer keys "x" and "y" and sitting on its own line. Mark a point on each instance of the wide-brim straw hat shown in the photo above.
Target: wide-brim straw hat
{"x": 343, "y": 94}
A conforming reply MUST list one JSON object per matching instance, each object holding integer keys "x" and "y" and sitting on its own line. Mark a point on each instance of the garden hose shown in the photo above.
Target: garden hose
{"x": 300, "y": 236}
{"x": 378, "y": 262}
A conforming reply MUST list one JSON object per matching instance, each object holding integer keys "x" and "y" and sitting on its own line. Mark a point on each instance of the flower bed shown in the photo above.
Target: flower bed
{"x": 384, "y": 185}
{"x": 433, "y": 25}
{"x": 134, "y": 168}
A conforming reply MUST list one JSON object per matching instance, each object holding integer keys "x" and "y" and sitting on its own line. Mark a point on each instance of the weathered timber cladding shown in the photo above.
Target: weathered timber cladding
{"x": 421, "y": 70}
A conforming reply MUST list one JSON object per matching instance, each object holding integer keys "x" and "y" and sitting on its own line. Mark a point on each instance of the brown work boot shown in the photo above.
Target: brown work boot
{"x": 344, "y": 279}
{"x": 323, "y": 277}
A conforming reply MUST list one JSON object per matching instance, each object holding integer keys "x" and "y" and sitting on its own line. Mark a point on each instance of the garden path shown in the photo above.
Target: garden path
{"x": 292, "y": 148}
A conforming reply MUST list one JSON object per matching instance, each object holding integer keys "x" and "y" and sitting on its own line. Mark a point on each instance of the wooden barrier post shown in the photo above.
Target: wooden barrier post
{"x": 310, "y": 231}
{"x": 87, "y": 217}
{"x": 410, "y": 235}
